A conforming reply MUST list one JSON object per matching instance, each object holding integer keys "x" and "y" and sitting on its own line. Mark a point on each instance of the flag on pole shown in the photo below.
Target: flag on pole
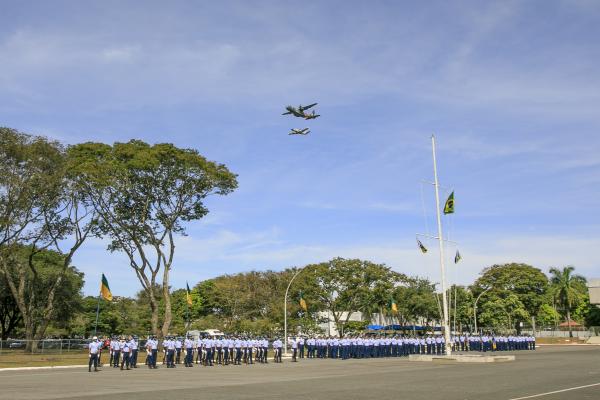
{"x": 449, "y": 207}
{"x": 457, "y": 257}
{"x": 423, "y": 248}
{"x": 105, "y": 289}
{"x": 393, "y": 306}
{"x": 302, "y": 303}
{"x": 188, "y": 294}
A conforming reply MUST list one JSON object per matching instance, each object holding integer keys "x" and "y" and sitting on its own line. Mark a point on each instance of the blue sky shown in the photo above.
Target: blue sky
{"x": 511, "y": 90}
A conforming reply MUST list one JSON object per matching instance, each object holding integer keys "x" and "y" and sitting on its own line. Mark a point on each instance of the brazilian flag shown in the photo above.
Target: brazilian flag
{"x": 423, "y": 248}
{"x": 302, "y": 303}
{"x": 393, "y": 306}
{"x": 449, "y": 207}
{"x": 457, "y": 257}
{"x": 105, "y": 289}
{"x": 188, "y": 294}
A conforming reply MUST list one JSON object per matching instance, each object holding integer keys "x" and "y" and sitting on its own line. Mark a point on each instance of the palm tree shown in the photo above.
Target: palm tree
{"x": 565, "y": 290}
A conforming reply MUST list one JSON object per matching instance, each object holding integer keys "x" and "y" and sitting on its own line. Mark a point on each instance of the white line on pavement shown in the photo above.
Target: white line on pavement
{"x": 556, "y": 391}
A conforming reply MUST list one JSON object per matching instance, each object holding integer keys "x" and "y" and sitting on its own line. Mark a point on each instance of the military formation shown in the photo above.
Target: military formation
{"x": 238, "y": 350}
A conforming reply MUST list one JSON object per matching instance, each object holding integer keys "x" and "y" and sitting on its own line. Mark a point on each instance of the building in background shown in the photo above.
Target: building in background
{"x": 594, "y": 289}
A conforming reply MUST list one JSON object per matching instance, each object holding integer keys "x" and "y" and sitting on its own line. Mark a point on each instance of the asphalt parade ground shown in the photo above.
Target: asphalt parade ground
{"x": 549, "y": 373}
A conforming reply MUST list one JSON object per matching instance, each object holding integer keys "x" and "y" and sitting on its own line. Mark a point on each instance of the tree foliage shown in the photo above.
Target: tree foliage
{"x": 144, "y": 194}
{"x": 40, "y": 209}
{"x": 344, "y": 286}
{"x": 509, "y": 283}
{"x": 10, "y": 316}
{"x": 569, "y": 290}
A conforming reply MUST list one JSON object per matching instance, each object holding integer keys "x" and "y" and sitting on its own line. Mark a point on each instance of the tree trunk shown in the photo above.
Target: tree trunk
{"x": 569, "y": 322}
{"x": 30, "y": 345}
{"x": 167, "y": 302}
{"x": 154, "y": 310}
{"x": 337, "y": 322}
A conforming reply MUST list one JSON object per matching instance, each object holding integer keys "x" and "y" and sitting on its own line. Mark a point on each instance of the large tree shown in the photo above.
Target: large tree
{"x": 41, "y": 208}
{"x": 66, "y": 284}
{"x": 567, "y": 287}
{"x": 145, "y": 194}
{"x": 527, "y": 283}
{"x": 343, "y": 286}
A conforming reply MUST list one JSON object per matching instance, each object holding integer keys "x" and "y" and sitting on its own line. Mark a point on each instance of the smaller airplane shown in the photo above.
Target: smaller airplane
{"x": 304, "y": 131}
{"x": 298, "y": 112}
{"x": 311, "y": 116}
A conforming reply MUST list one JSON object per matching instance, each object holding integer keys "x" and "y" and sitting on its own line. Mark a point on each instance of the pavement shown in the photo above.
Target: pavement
{"x": 550, "y": 373}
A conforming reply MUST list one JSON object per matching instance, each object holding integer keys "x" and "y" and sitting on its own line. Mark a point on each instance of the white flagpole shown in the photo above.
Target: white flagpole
{"x": 442, "y": 267}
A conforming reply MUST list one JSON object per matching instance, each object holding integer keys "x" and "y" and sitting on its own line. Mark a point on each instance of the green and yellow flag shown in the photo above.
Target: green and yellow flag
{"x": 423, "y": 248}
{"x": 393, "y": 306}
{"x": 449, "y": 207}
{"x": 188, "y": 294}
{"x": 302, "y": 303}
{"x": 457, "y": 257}
{"x": 105, "y": 289}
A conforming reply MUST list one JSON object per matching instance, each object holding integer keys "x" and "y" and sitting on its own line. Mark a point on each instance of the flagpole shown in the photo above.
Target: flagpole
{"x": 440, "y": 239}
{"x": 187, "y": 315}
{"x": 97, "y": 314}
{"x": 450, "y": 306}
{"x": 455, "y": 309}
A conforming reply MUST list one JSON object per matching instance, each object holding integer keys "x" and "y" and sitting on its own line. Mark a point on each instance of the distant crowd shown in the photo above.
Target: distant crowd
{"x": 237, "y": 350}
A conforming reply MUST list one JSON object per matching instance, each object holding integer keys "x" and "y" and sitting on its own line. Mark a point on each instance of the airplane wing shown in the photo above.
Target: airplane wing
{"x": 309, "y": 106}
{"x": 287, "y": 113}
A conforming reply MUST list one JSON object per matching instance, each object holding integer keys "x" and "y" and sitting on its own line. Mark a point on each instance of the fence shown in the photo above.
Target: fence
{"x": 552, "y": 332}
{"x": 45, "y": 346}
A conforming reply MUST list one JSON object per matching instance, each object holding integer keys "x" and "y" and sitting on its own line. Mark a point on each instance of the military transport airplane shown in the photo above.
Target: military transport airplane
{"x": 298, "y": 112}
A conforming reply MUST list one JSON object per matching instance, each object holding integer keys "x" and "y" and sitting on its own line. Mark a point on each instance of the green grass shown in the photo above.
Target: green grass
{"x": 15, "y": 359}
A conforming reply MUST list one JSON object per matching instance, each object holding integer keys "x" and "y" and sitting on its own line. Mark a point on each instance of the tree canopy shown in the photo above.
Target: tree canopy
{"x": 144, "y": 194}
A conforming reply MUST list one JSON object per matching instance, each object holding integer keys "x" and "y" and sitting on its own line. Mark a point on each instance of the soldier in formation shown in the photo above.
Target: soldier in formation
{"x": 238, "y": 350}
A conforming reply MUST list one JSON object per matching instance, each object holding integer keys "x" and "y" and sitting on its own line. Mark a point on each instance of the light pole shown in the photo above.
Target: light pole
{"x": 475, "y": 307}
{"x": 285, "y": 340}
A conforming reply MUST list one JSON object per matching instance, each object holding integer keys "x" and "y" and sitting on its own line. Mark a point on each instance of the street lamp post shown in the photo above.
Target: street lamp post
{"x": 475, "y": 307}
{"x": 285, "y": 339}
